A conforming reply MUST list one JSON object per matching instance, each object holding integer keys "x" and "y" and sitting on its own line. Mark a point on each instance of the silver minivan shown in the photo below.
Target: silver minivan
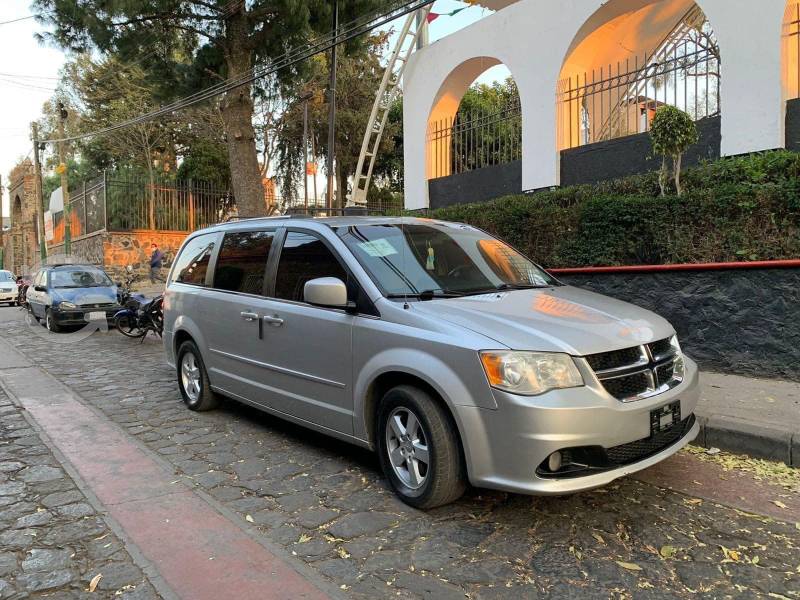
{"x": 439, "y": 346}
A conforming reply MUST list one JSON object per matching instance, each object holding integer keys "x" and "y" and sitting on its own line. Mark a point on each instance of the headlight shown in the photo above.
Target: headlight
{"x": 530, "y": 373}
{"x": 66, "y": 306}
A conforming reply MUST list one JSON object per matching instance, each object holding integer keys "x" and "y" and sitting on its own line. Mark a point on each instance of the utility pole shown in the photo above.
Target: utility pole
{"x": 332, "y": 106}
{"x": 37, "y": 186}
{"x": 62, "y": 167}
{"x": 422, "y": 26}
{"x": 2, "y": 225}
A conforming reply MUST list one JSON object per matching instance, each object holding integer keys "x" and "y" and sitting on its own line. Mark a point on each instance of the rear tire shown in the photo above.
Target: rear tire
{"x": 50, "y": 322}
{"x": 419, "y": 449}
{"x": 193, "y": 379}
{"x": 124, "y": 324}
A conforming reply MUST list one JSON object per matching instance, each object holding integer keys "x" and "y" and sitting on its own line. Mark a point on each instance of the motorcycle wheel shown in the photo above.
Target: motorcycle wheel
{"x": 128, "y": 326}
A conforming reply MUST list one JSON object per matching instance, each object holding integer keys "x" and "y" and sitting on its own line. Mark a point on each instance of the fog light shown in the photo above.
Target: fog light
{"x": 554, "y": 462}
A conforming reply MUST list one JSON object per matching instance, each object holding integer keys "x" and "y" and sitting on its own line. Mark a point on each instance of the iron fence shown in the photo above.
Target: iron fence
{"x": 791, "y": 50}
{"x": 474, "y": 141}
{"x": 621, "y": 99}
{"x": 122, "y": 203}
{"x": 164, "y": 206}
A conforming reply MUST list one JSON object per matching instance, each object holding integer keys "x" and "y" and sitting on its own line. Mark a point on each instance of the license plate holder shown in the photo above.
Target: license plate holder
{"x": 664, "y": 417}
{"x": 95, "y": 316}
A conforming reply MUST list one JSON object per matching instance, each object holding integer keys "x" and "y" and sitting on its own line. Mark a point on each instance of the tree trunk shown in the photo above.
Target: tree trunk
{"x": 676, "y": 165}
{"x": 663, "y": 175}
{"x": 237, "y": 116}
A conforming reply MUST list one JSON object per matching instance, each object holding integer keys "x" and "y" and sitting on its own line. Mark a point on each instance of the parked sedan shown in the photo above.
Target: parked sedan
{"x": 72, "y": 295}
{"x": 8, "y": 288}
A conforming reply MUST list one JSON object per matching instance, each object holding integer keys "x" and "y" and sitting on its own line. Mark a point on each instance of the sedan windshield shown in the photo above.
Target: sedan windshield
{"x": 79, "y": 277}
{"x": 6, "y": 276}
{"x": 439, "y": 260}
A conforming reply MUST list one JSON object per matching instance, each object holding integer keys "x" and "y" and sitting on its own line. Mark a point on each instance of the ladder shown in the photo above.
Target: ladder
{"x": 387, "y": 93}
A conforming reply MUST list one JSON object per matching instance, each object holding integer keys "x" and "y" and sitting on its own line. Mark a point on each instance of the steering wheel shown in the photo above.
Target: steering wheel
{"x": 456, "y": 271}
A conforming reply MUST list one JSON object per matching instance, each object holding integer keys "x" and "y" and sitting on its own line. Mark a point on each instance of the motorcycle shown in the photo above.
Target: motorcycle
{"x": 139, "y": 315}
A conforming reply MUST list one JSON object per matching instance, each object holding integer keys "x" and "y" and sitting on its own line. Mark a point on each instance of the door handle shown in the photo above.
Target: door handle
{"x": 249, "y": 316}
{"x": 275, "y": 320}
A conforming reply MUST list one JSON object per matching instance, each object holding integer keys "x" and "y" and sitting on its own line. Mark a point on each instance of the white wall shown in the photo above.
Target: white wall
{"x": 532, "y": 37}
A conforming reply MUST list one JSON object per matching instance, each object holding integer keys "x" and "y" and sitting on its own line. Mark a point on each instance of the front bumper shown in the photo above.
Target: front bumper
{"x": 10, "y": 296}
{"x": 504, "y": 447}
{"x": 72, "y": 318}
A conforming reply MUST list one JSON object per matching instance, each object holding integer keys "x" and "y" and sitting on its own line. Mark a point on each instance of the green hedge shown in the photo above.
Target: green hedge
{"x": 738, "y": 209}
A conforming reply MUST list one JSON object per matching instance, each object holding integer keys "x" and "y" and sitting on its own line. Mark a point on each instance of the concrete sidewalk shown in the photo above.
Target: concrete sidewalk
{"x": 759, "y": 417}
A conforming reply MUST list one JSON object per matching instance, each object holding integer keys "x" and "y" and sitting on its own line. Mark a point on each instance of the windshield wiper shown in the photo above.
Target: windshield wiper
{"x": 429, "y": 294}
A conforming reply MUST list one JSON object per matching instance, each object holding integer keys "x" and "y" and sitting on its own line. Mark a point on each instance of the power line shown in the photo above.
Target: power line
{"x": 17, "y": 20}
{"x": 349, "y": 31}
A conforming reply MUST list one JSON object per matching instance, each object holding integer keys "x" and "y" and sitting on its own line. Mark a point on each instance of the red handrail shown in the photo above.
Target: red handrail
{"x": 760, "y": 264}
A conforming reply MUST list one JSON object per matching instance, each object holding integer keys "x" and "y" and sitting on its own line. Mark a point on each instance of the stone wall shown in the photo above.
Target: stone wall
{"x": 740, "y": 321}
{"x": 20, "y": 242}
{"x": 113, "y": 251}
{"x": 133, "y": 248}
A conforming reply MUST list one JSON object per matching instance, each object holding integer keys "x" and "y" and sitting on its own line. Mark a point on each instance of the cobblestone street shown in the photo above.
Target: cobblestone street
{"x": 327, "y": 504}
{"x": 52, "y": 542}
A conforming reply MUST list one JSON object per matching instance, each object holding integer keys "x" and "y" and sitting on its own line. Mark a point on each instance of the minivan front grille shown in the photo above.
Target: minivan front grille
{"x": 640, "y": 371}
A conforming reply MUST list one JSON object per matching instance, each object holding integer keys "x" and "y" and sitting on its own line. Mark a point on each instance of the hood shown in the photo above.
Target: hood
{"x": 86, "y": 296}
{"x": 559, "y": 319}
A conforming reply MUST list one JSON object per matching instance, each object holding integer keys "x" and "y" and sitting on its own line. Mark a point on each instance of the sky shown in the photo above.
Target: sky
{"x": 29, "y": 70}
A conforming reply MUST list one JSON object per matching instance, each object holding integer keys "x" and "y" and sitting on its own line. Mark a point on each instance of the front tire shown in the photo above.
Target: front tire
{"x": 419, "y": 449}
{"x": 50, "y": 322}
{"x": 193, "y": 379}
{"x": 126, "y": 324}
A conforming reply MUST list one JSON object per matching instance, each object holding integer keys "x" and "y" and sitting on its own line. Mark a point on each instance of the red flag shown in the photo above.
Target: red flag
{"x": 433, "y": 16}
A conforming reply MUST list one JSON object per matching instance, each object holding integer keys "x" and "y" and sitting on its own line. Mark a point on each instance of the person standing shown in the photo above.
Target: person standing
{"x": 156, "y": 262}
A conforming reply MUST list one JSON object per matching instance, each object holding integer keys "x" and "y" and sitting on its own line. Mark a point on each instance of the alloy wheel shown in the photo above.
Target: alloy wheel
{"x": 407, "y": 446}
{"x": 190, "y": 376}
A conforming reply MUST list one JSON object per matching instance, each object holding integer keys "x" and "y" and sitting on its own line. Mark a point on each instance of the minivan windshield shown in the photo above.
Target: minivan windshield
{"x": 439, "y": 260}
{"x": 79, "y": 277}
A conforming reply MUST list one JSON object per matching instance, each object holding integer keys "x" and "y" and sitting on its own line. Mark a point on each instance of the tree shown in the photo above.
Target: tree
{"x": 217, "y": 39}
{"x": 672, "y": 132}
{"x": 359, "y": 74}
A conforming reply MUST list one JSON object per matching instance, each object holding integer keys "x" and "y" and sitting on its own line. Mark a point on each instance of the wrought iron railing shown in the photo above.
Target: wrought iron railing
{"x": 122, "y": 203}
{"x": 474, "y": 141}
{"x": 621, "y": 99}
{"x": 791, "y": 50}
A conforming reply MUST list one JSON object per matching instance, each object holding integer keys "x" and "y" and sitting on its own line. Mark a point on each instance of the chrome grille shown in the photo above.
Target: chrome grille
{"x": 640, "y": 371}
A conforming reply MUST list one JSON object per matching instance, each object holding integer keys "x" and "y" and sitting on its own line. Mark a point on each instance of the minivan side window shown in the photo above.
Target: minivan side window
{"x": 192, "y": 264}
{"x": 304, "y": 257}
{"x": 242, "y": 261}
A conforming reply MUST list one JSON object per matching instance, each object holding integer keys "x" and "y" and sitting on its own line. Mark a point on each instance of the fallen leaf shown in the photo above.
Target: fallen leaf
{"x": 778, "y": 503}
{"x": 342, "y": 552}
{"x": 694, "y": 501}
{"x": 303, "y": 539}
{"x": 734, "y": 555}
{"x": 628, "y": 566}
{"x": 248, "y": 518}
{"x": 755, "y": 560}
{"x": 95, "y": 580}
{"x": 600, "y": 539}
{"x": 667, "y": 551}
{"x": 712, "y": 451}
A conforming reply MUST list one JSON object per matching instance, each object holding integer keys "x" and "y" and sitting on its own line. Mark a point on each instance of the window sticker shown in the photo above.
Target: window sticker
{"x": 430, "y": 264}
{"x": 378, "y": 248}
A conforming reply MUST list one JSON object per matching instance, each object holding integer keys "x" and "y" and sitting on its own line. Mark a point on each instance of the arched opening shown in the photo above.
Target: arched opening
{"x": 476, "y": 120}
{"x": 630, "y": 58}
{"x": 16, "y": 212}
{"x": 791, "y": 50}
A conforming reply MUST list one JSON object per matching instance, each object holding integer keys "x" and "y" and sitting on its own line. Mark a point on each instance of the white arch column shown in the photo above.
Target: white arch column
{"x": 753, "y": 107}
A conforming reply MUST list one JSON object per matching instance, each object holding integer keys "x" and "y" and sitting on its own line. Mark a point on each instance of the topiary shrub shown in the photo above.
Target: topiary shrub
{"x": 672, "y": 132}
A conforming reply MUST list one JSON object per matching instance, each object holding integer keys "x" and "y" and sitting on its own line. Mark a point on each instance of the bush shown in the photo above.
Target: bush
{"x": 737, "y": 209}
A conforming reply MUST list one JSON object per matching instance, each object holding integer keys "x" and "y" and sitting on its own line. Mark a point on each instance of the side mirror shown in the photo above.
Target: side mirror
{"x": 326, "y": 291}
{"x": 39, "y": 288}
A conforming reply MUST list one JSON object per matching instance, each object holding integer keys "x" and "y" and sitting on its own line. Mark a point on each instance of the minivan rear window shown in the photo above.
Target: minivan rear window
{"x": 192, "y": 263}
{"x": 242, "y": 261}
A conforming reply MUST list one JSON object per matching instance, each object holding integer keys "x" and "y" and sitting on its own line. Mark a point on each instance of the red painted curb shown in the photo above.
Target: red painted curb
{"x": 763, "y": 264}
{"x": 200, "y": 553}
